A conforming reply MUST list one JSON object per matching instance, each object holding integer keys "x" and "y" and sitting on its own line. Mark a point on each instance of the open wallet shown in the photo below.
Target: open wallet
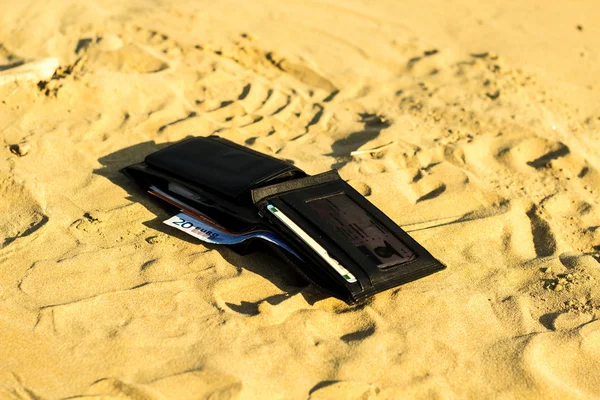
{"x": 319, "y": 225}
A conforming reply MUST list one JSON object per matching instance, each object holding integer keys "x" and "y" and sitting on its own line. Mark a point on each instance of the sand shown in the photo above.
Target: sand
{"x": 474, "y": 125}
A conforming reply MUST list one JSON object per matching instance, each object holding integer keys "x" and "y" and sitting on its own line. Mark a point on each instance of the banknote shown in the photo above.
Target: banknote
{"x": 212, "y": 234}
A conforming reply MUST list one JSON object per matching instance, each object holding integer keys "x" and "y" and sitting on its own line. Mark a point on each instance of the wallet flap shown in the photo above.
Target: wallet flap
{"x": 220, "y": 165}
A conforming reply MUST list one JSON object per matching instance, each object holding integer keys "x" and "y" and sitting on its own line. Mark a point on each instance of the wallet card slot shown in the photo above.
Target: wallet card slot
{"x": 336, "y": 244}
{"x": 334, "y": 251}
{"x": 376, "y": 276}
{"x": 219, "y": 210}
{"x": 315, "y": 276}
{"x": 409, "y": 260}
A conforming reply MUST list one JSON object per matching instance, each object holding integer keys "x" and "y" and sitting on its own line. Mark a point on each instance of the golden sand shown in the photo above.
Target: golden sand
{"x": 474, "y": 125}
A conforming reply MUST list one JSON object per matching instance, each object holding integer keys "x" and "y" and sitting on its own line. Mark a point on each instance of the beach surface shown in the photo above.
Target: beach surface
{"x": 473, "y": 125}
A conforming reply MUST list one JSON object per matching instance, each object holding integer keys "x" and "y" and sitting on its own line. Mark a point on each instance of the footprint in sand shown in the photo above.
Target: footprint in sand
{"x": 342, "y": 149}
{"x": 534, "y": 154}
{"x": 132, "y": 57}
{"x": 142, "y": 51}
{"x": 531, "y": 153}
{"x": 252, "y": 296}
{"x": 329, "y": 390}
{"x": 263, "y": 113}
{"x": 20, "y": 213}
{"x": 248, "y": 55}
{"x": 204, "y": 384}
{"x": 565, "y": 364}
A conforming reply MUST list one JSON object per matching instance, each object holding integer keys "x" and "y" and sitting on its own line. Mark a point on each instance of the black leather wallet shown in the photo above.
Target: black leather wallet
{"x": 341, "y": 242}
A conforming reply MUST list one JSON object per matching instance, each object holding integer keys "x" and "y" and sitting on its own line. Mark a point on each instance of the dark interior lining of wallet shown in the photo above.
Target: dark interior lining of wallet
{"x": 374, "y": 275}
{"x": 217, "y": 212}
{"x": 307, "y": 252}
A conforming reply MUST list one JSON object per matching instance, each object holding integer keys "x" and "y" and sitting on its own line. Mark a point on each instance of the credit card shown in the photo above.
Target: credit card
{"x": 339, "y": 268}
{"x": 153, "y": 190}
{"x": 188, "y": 194}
